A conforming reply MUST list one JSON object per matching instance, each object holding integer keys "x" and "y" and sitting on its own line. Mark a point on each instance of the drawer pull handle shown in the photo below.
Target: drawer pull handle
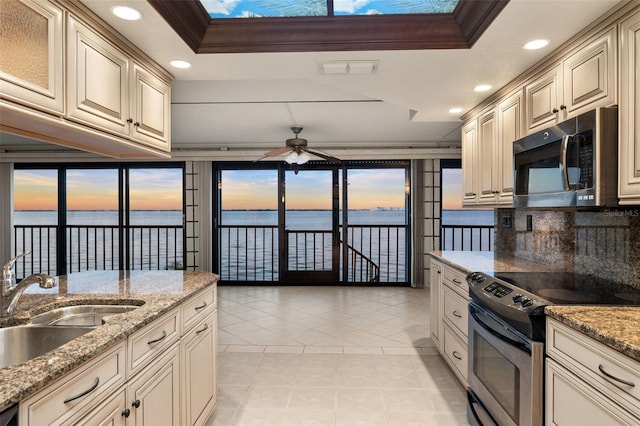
{"x": 204, "y": 305}
{"x": 456, "y": 355}
{"x": 206, "y": 326}
{"x": 81, "y": 394}
{"x": 164, "y": 335}
{"x": 457, "y": 281}
{"x": 612, "y": 377}
{"x": 456, "y": 314}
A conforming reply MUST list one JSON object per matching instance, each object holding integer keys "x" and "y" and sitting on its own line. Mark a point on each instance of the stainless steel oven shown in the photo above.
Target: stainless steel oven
{"x": 505, "y": 372}
{"x": 506, "y": 338}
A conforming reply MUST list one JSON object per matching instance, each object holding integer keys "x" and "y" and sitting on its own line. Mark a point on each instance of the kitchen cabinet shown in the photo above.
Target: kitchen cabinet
{"x": 469, "y": 172}
{"x": 71, "y": 397}
{"x": 583, "y": 80}
{"x": 110, "y": 91}
{"x": 588, "y": 382}
{"x": 487, "y": 150}
{"x": 629, "y": 111}
{"x": 33, "y": 32}
{"x": 435, "y": 289}
{"x": 449, "y": 301}
{"x": 83, "y": 86}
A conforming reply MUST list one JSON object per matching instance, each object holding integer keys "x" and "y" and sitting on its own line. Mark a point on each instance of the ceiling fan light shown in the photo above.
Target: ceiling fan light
{"x": 292, "y": 158}
{"x": 303, "y": 157}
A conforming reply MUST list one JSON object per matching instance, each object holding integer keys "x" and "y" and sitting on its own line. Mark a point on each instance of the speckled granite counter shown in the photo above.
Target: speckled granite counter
{"x": 157, "y": 292}
{"x": 615, "y": 326}
{"x": 487, "y": 262}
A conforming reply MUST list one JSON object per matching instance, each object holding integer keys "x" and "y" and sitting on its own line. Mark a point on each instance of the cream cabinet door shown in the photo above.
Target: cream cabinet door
{"x": 543, "y": 98}
{"x": 510, "y": 127}
{"x": 151, "y": 104}
{"x": 590, "y": 75}
{"x": 113, "y": 412}
{"x": 469, "y": 150}
{"x": 199, "y": 372}
{"x": 435, "y": 290}
{"x": 486, "y": 159}
{"x": 98, "y": 80}
{"x": 154, "y": 395}
{"x": 31, "y": 63}
{"x": 629, "y": 111}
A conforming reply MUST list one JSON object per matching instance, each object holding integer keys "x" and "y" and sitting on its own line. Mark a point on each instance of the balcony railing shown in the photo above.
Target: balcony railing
{"x": 472, "y": 237}
{"x": 98, "y": 247}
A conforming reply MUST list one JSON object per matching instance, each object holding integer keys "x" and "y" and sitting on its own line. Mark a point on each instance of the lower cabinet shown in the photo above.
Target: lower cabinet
{"x": 164, "y": 374}
{"x": 588, "y": 383}
{"x": 449, "y": 320}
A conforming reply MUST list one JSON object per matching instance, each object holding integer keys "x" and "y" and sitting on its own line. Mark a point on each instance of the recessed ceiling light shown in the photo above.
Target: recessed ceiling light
{"x": 482, "y": 88}
{"x": 535, "y": 44}
{"x": 455, "y": 110}
{"x": 179, "y": 63}
{"x": 127, "y": 13}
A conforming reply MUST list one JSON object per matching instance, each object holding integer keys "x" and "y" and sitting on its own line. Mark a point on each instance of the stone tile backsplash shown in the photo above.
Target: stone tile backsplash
{"x": 604, "y": 243}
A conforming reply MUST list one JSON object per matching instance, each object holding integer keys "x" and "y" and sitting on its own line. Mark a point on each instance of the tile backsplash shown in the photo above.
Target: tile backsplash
{"x": 604, "y": 243}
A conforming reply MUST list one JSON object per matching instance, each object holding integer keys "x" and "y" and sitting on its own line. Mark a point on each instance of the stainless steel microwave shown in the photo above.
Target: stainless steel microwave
{"x": 572, "y": 164}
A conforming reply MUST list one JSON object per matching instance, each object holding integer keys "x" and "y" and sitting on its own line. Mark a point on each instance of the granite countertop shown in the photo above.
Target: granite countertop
{"x": 614, "y": 326}
{"x": 156, "y": 292}
{"x": 488, "y": 262}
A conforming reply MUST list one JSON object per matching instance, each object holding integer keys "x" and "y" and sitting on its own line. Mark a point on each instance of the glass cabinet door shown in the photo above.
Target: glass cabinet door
{"x": 31, "y": 54}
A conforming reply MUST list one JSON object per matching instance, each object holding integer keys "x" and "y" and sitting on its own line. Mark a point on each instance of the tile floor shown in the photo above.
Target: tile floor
{"x": 331, "y": 356}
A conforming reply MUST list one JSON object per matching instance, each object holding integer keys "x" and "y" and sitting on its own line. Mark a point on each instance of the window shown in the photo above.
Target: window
{"x": 86, "y": 217}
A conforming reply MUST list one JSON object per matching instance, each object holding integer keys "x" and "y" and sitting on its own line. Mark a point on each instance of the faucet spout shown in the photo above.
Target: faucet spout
{"x": 10, "y": 300}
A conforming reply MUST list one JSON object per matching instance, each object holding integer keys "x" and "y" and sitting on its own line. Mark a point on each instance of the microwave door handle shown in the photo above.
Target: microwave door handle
{"x": 563, "y": 161}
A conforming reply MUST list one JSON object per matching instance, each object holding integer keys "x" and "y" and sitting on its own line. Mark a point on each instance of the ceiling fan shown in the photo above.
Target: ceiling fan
{"x": 298, "y": 150}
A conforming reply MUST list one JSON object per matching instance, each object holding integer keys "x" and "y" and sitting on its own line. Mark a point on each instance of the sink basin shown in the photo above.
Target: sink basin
{"x": 22, "y": 343}
{"x": 81, "y": 315}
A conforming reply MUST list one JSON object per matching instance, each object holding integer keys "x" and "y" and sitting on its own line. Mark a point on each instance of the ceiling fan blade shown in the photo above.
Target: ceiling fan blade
{"x": 277, "y": 151}
{"x": 323, "y": 154}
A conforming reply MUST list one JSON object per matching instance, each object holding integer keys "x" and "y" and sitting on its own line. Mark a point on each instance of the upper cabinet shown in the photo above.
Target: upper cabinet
{"x": 629, "y": 111}
{"x": 113, "y": 100}
{"x": 584, "y": 80}
{"x": 31, "y": 63}
{"x": 487, "y": 153}
{"x": 113, "y": 92}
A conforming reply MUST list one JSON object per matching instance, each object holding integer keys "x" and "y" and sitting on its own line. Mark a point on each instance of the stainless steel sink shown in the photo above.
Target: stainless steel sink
{"x": 22, "y": 343}
{"x": 81, "y": 315}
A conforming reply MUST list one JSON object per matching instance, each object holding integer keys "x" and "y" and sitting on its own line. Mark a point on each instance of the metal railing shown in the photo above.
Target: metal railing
{"x": 98, "y": 247}
{"x": 375, "y": 253}
{"x": 472, "y": 237}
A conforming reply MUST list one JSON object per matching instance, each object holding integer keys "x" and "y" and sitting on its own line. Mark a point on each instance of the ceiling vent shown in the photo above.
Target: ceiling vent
{"x": 349, "y": 67}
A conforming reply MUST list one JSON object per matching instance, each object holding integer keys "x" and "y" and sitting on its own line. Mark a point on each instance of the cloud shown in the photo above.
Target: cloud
{"x": 222, "y": 7}
{"x": 349, "y": 6}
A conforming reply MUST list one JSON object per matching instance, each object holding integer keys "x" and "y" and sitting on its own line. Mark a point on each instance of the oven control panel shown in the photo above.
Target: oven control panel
{"x": 493, "y": 289}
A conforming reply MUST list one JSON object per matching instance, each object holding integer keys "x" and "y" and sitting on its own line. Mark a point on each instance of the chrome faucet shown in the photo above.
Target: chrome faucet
{"x": 11, "y": 291}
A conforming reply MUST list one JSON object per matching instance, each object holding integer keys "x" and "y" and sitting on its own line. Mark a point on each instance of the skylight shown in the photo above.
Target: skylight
{"x": 296, "y": 8}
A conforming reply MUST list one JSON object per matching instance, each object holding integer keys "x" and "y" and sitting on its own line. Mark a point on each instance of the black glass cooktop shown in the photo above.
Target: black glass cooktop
{"x": 569, "y": 288}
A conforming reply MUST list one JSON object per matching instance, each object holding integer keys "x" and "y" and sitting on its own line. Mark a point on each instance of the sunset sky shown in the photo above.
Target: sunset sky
{"x": 161, "y": 189}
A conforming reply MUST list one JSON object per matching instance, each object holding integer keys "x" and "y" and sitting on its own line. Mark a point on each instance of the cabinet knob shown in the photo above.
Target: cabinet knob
{"x": 137, "y": 124}
{"x": 563, "y": 107}
{"x": 126, "y": 413}
{"x": 555, "y": 110}
{"x": 129, "y": 120}
{"x": 136, "y": 403}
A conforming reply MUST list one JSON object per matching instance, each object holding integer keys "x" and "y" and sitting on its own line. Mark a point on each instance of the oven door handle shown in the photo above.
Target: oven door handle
{"x": 494, "y": 333}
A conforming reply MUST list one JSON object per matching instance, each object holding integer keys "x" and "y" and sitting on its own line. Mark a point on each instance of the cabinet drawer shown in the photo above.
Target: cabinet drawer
{"x": 455, "y": 310}
{"x": 570, "y": 401}
{"x": 198, "y": 307}
{"x": 456, "y": 352}
{"x": 77, "y": 392}
{"x": 602, "y": 367}
{"x": 456, "y": 279}
{"x": 146, "y": 344}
